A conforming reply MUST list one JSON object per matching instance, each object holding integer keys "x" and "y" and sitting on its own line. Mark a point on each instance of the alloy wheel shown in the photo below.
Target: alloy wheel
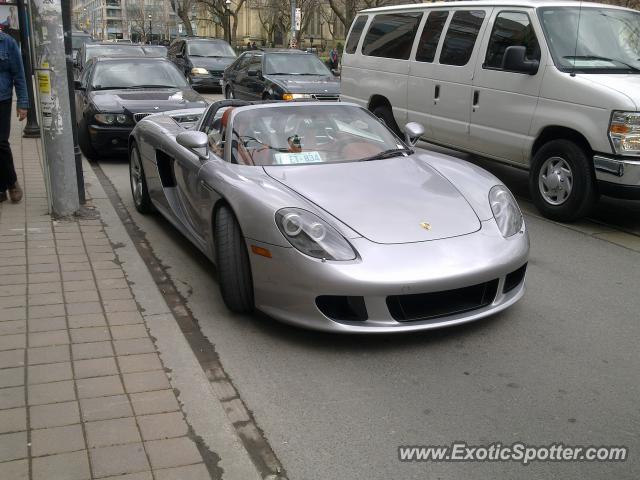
{"x": 555, "y": 180}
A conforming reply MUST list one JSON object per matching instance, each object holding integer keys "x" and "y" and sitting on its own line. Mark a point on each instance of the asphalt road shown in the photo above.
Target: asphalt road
{"x": 560, "y": 366}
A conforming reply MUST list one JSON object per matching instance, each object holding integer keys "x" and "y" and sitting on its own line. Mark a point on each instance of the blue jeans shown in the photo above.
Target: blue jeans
{"x": 8, "y": 176}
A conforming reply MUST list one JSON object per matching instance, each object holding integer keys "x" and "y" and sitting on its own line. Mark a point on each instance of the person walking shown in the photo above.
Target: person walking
{"x": 333, "y": 58}
{"x": 11, "y": 75}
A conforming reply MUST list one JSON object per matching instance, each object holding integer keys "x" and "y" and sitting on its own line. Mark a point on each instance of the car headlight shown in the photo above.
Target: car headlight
{"x": 624, "y": 132}
{"x": 505, "y": 210}
{"x": 313, "y": 236}
{"x": 199, "y": 71}
{"x": 112, "y": 118}
{"x": 295, "y": 96}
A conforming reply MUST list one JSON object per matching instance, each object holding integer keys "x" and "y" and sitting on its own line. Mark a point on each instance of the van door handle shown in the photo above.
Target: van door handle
{"x": 436, "y": 94}
{"x": 476, "y": 95}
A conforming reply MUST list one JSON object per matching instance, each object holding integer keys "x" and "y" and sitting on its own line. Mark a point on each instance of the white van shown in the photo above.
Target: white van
{"x": 552, "y": 87}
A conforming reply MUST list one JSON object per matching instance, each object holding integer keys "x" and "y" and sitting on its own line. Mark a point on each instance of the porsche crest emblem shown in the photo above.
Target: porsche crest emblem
{"x": 425, "y": 225}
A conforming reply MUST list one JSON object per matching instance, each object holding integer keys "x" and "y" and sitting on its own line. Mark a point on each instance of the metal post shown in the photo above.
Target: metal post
{"x": 293, "y": 22}
{"x": 53, "y": 92}
{"x": 31, "y": 129}
{"x": 68, "y": 50}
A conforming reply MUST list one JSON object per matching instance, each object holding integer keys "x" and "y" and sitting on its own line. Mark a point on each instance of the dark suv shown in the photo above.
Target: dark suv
{"x": 202, "y": 60}
{"x": 280, "y": 74}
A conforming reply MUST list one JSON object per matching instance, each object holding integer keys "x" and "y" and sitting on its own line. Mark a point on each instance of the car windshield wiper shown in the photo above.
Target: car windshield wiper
{"x": 393, "y": 152}
{"x": 604, "y": 59}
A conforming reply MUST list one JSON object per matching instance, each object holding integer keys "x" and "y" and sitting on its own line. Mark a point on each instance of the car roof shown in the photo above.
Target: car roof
{"x": 120, "y": 58}
{"x": 281, "y": 50}
{"x": 490, "y": 3}
{"x": 203, "y": 39}
{"x": 112, "y": 44}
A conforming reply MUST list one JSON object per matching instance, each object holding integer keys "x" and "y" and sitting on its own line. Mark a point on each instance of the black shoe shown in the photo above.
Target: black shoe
{"x": 3, "y": 196}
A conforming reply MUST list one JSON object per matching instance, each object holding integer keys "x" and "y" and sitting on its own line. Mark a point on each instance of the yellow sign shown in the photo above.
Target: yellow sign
{"x": 44, "y": 82}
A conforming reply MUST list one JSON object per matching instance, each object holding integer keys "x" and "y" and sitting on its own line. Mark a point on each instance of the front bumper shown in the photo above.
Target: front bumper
{"x": 287, "y": 285}
{"x": 206, "y": 81}
{"x": 617, "y": 176}
{"x": 110, "y": 140}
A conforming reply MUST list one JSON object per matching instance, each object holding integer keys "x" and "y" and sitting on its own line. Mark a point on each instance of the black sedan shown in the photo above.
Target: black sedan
{"x": 279, "y": 74}
{"x": 202, "y": 60}
{"x": 88, "y": 51}
{"x": 114, "y": 93}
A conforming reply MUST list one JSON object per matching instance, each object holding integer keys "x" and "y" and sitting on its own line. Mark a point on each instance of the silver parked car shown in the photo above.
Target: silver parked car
{"x": 318, "y": 215}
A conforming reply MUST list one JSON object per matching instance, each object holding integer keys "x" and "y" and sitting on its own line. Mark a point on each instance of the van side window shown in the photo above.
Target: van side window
{"x": 431, "y": 36}
{"x": 391, "y": 35}
{"x": 354, "y": 36}
{"x": 511, "y": 29}
{"x": 461, "y": 37}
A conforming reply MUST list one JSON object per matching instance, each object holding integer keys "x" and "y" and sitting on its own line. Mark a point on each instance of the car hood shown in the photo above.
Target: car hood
{"x": 146, "y": 100}
{"x": 307, "y": 83}
{"x": 399, "y": 200}
{"x": 627, "y": 84}
{"x": 212, "y": 63}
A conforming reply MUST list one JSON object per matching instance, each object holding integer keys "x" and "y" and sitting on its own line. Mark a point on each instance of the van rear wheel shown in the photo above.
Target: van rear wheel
{"x": 385, "y": 114}
{"x": 562, "y": 181}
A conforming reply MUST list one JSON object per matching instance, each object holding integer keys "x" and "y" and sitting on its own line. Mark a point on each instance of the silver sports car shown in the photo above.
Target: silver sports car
{"x": 318, "y": 215}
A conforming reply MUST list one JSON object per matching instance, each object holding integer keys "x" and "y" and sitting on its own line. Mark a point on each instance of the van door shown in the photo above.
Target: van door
{"x": 386, "y": 49}
{"x": 506, "y": 100}
{"x": 421, "y": 91}
{"x": 451, "y": 95}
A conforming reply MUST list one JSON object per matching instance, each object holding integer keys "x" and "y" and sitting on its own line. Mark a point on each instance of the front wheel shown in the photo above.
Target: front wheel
{"x": 385, "y": 114}
{"x": 562, "y": 181}
{"x": 232, "y": 261}
{"x": 139, "y": 191}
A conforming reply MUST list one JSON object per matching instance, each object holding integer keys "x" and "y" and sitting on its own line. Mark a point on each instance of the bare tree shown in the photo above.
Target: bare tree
{"x": 217, "y": 10}
{"x": 183, "y": 11}
{"x": 137, "y": 18}
{"x": 273, "y": 15}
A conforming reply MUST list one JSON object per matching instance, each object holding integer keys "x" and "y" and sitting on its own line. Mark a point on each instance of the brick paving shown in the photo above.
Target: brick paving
{"x": 83, "y": 393}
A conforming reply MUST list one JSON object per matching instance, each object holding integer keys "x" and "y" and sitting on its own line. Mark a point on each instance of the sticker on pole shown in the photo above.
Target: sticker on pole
{"x": 44, "y": 89}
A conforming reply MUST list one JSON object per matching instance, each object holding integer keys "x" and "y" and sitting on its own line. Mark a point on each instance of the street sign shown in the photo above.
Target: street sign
{"x": 298, "y": 19}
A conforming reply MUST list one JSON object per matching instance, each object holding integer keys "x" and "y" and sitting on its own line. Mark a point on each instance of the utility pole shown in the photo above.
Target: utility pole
{"x": 68, "y": 51}
{"x": 53, "y": 93}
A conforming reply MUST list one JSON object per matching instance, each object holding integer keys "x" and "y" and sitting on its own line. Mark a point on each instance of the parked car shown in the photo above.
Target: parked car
{"x": 512, "y": 82}
{"x": 318, "y": 215}
{"x": 91, "y": 50}
{"x": 280, "y": 74}
{"x": 114, "y": 93}
{"x": 78, "y": 39}
{"x": 202, "y": 60}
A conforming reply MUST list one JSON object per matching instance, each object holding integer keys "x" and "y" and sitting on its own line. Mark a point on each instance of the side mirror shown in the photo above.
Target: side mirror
{"x": 179, "y": 55}
{"x": 77, "y": 85}
{"x": 336, "y": 73}
{"x": 253, "y": 73}
{"x": 197, "y": 142}
{"x": 514, "y": 60}
{"x": 412, "y": 132}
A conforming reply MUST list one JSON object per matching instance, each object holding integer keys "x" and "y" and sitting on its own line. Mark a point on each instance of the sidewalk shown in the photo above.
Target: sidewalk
{"x": 84, "y": 392}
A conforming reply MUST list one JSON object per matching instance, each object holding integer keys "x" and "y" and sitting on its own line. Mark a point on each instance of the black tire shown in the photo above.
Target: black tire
{"x": 84, "y": 141}
{"x": 232, "y": 261}
{"x": 385, "y": 114}
{"x": 582, "y": 196}
{"x": 141, "y": 201}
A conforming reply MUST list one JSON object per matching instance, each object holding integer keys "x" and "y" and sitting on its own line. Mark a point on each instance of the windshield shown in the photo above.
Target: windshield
{"x": 294, "y": 64}
{"x": 78, "y": 40}
{"x": 310, "y": 134}
{"x": 136, "y": 74}
{"x": 608, "y": 40}
{"x": 210, "y": 49}
{"x": 113, "y": 50}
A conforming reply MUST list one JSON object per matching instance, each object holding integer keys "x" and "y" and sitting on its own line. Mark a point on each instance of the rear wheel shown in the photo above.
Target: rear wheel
{"x": 385, "y": 114}
{"x": 139, "y": 191}
{"x": 562, "y": 181}
{"x": 232, "y": 261}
